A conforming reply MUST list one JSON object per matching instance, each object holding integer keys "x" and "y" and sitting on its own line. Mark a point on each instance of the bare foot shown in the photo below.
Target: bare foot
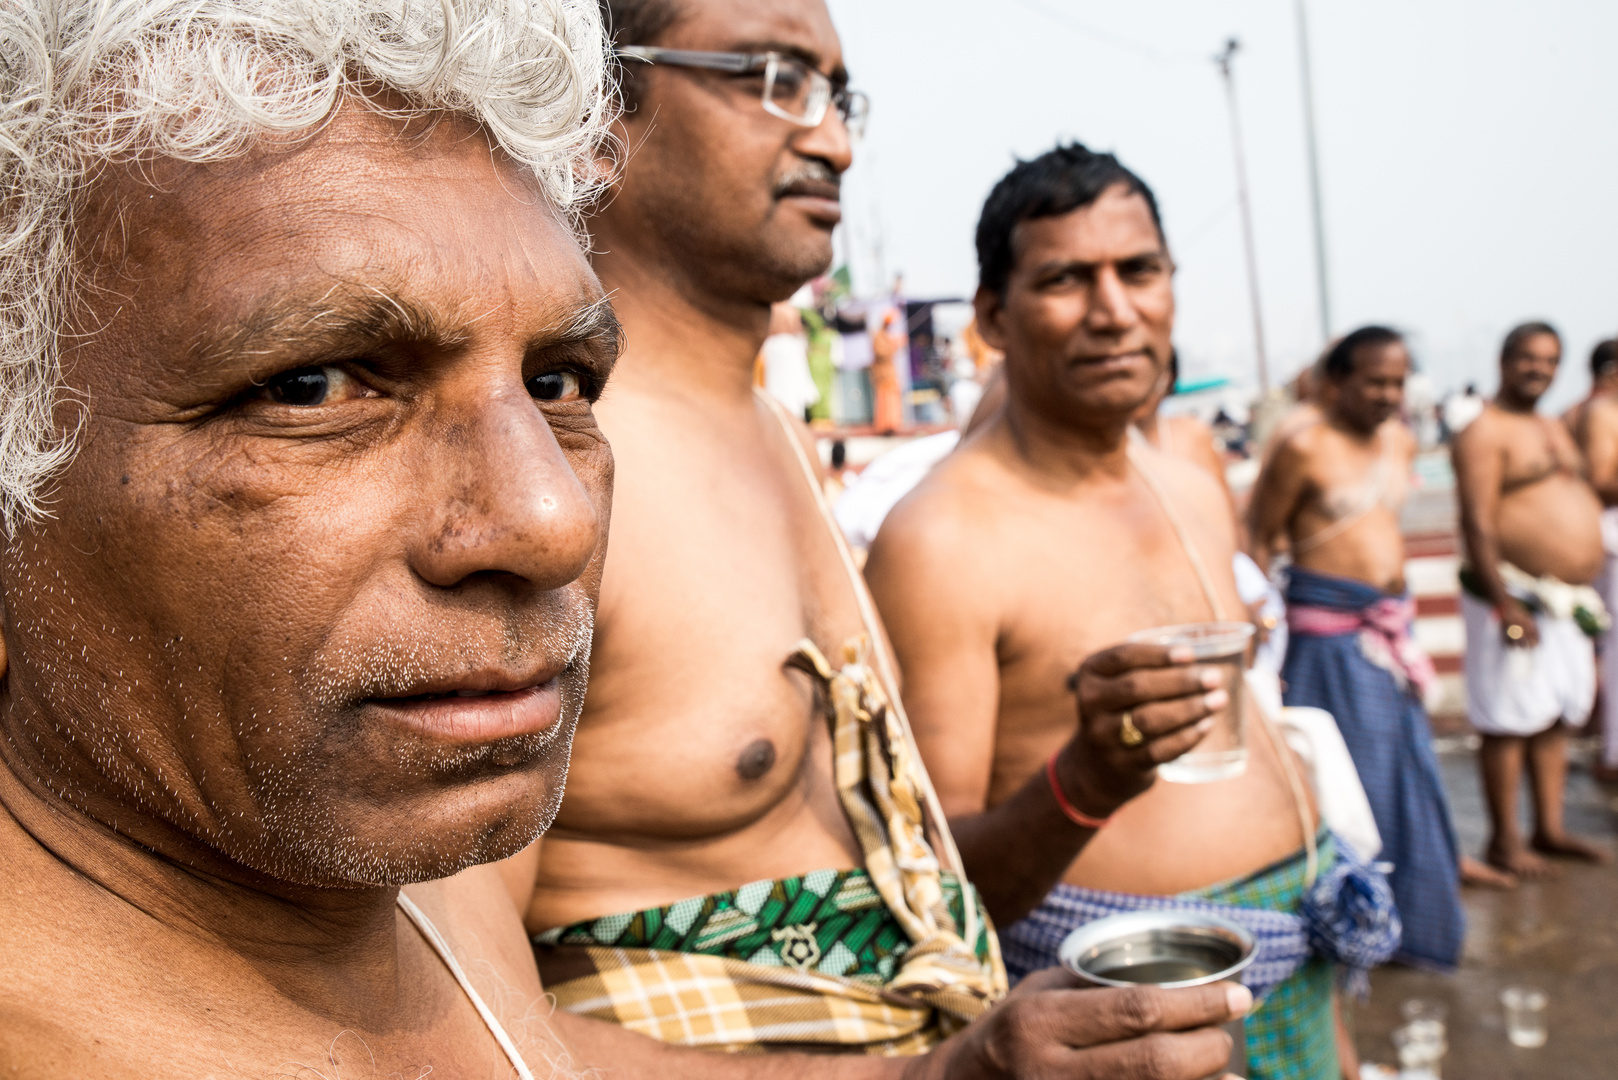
{"x": 1520, "y": 862}
{"x": 1571, "y": 847}
{"x": 1480, "y": 875}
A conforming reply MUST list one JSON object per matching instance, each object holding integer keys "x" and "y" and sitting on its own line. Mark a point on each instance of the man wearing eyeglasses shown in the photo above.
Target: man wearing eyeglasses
{"x": 749, "y": 855}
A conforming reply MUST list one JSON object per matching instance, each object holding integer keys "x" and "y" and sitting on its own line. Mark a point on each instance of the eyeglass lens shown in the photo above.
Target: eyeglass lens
{"x": 797, "y": 90}
{"x": 794, "y": 89}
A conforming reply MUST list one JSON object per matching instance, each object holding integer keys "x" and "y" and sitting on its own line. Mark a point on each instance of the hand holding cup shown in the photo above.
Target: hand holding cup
{"x": 1140, "y": 704}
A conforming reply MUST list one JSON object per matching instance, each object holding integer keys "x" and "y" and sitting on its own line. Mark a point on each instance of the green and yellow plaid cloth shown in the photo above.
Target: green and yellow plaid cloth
{"x": 889, "y": 959}
{"x": 1292, "y": 1035}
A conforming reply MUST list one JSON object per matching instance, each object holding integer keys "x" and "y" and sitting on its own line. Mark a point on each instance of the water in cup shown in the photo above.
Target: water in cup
{"x": 1222, "y": 753}
{"x": 1525, "y": 1016}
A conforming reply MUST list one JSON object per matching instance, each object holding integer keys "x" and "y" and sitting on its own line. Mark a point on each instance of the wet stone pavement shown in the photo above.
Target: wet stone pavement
{"x": 1558, "y": 936}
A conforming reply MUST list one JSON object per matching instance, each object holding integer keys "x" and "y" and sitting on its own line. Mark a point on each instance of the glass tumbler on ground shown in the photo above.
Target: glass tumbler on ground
{"x": 1222, "y": 753}
{"x": 1525, "y": 1016}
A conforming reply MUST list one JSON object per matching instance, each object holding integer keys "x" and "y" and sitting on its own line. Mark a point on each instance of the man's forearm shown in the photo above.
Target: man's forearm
{"x": 1017, "y": 851}
{"x": 1483, "y": 551}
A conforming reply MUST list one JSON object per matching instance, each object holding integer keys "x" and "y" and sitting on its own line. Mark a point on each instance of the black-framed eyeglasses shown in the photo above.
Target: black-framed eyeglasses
{"x": 793, "y": 90}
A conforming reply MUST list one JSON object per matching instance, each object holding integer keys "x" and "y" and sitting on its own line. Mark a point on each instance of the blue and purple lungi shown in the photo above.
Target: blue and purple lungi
{"x": 1385, "y": 726}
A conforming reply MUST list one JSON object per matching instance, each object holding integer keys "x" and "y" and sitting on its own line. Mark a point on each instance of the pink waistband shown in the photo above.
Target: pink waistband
{"x": 1387, "y": 622}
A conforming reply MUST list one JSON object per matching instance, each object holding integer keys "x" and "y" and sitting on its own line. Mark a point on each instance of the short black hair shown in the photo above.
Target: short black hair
{"x": 1603, "y": 357}
{"x": 636, "y": 22}
{"x": 1057, "y": 182}
{"x": 1520, "y": 334}
{"x": 1339, "y": 361}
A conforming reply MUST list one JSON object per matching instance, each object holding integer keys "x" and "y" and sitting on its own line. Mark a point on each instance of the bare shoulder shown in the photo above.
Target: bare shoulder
{"x": 1189, "y": 484}
{"x": 952, "y": 510}
{"x": 1188, "y": 427}
{"x": 1403, "y": 438}
{"x": 1487, "y": 433}
{"x": 1600, "y": 415}
{"x": 1293, "y": 451}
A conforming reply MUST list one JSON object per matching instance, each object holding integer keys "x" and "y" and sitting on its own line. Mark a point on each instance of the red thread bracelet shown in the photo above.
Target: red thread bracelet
{"x": 1074, "y": 814}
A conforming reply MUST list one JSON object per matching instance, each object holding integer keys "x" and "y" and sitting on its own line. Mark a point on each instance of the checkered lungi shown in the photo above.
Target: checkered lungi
{"x": 1346, "y": 917}
{"x": 886, "y": 959}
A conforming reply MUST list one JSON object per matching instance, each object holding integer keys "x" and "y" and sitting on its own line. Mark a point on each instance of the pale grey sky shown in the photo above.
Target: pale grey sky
{"x": 1469, "y": 151}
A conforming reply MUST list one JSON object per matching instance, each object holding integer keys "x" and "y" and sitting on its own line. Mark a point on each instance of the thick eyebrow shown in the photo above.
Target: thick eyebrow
{"x": 339, "y": 319}
{"x": 593, "y": 323}
{"x": 1054, "y": 265}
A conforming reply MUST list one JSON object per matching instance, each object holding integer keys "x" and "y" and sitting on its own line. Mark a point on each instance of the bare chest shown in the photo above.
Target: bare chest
{"x": 694, "y": 726}
{"x": 1088, "y": 587}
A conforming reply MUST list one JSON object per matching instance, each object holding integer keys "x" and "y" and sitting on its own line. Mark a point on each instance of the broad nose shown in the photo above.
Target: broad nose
{"x": 1111, "y": 307}
{"x": 502, "y": 499}
{"x": 830, "y": 140}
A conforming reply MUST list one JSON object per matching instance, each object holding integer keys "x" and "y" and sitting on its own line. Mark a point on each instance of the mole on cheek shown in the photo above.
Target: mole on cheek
{"x": 756, "y": 760}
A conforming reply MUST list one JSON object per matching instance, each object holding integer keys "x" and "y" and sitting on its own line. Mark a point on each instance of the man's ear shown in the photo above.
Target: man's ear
{"x": 990, "y": 307}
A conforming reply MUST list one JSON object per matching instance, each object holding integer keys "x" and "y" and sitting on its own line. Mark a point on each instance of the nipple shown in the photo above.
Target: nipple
{"x": 756, "y": 760}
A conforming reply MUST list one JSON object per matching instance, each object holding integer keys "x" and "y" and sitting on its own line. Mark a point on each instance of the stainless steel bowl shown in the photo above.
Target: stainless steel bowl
{"x": 1170, "y": 949}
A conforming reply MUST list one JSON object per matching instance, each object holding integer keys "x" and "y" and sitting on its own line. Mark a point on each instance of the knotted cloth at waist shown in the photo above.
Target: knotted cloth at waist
{"x": 1547, "y": 595}
{"x": 1346, "y": 915}
{"x": 800, "y": 961}
{"x": 889, "y": 959}
{"x": 1385, "y": 639}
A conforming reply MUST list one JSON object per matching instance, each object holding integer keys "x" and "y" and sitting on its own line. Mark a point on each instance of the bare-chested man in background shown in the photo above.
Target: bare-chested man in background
{"x": 1533, "y": 539}
{"x": 1594, "y": 423}
{"x": 1041, "y": 542}
{"x": 712, "y": 879}
{"x": 1332, "y": 490}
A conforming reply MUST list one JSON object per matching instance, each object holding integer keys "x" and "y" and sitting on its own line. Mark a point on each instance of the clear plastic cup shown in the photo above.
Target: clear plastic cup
{"x": 1421, "y": 1047}
{"x": 1425, "y": 1018}
{"x": 1525, "y": 1016}
{"x": 1222, "y": 753}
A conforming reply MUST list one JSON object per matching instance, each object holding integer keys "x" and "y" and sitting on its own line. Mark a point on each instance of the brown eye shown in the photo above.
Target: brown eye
{"x": 555, "y": 386}
{"x": 310, "y": 386}
{"x": 307, "y": 386}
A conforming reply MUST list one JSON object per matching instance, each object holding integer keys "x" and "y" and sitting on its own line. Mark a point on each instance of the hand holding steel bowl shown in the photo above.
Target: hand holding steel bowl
{"x": 1167, "y": 949}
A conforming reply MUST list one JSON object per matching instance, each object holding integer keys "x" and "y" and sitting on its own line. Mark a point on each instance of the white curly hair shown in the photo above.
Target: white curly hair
{"x": 85, "y": 84}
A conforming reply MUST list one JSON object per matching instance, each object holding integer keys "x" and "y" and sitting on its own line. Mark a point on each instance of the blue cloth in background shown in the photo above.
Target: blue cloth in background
{"x": 1388, "y": 736}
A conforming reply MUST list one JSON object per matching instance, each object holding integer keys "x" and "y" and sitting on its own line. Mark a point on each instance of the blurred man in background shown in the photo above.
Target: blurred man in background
{"x": 1331, "y": 490}
{"x": 1012, "y": 572}
{"x": 1532, "y": 525}
{"x": 1594, "y": 423}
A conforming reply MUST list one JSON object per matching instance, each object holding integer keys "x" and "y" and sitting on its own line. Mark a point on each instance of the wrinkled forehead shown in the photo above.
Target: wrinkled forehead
{"x": 184, "y": 255}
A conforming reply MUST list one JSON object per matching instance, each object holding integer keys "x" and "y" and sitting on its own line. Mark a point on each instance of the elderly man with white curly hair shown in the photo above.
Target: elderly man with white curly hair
{"x": 305, "y": 507}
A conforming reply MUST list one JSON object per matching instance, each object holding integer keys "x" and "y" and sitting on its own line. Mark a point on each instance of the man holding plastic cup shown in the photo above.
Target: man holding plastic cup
{"x": 1077, "y": 536}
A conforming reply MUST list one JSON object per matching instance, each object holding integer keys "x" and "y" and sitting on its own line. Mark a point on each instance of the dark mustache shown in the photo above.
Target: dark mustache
{"x": 811, "y": 171}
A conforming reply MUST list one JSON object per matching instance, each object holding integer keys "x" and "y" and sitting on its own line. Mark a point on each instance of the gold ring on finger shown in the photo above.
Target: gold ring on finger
{"x": 1128, "y": 733}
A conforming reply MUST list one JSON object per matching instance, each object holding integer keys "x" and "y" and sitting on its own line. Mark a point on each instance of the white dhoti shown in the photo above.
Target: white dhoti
{"x": 1607, "y": 585}
{"x": 1518, "y": 691}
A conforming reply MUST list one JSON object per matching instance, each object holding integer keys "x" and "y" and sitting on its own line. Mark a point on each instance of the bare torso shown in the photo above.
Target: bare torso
{"x": 1594, "y": 424}
{"x": 107, "y": 982}
{"x": 1547, "y": 520}
{"x": 1057, "y": 575}
{"x": 1353, "y": 486}
{"x": 701, "y": 761}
